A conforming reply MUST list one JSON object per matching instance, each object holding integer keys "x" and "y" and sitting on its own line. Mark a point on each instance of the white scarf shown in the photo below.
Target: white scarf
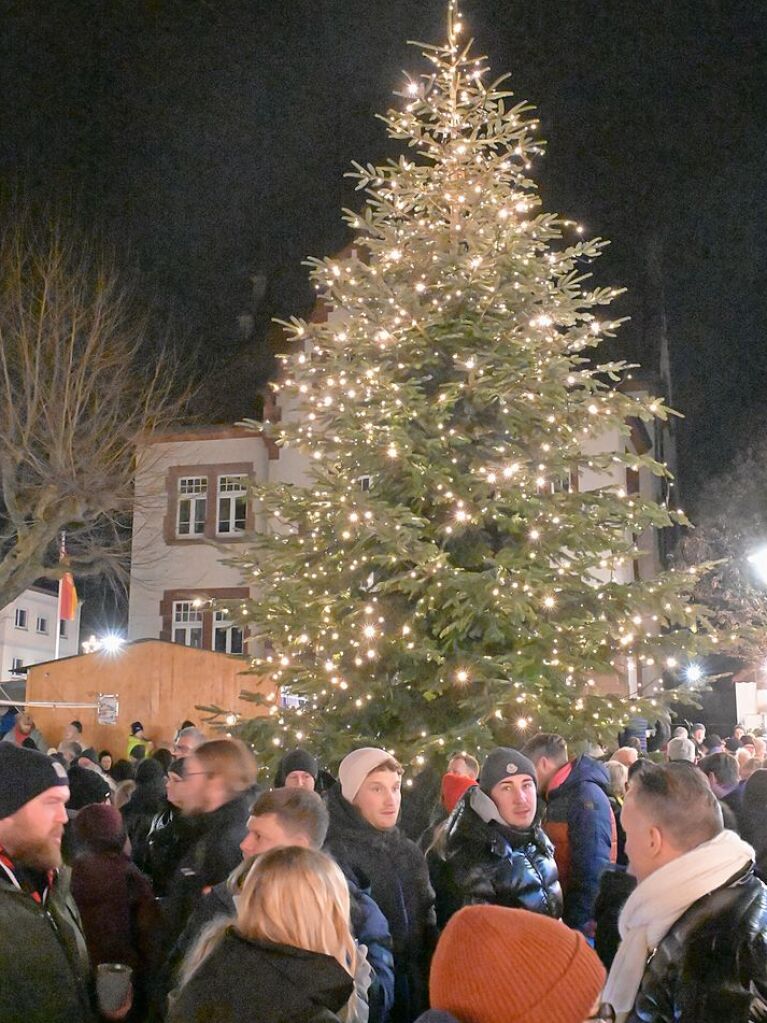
{"x": 658, "y": 902}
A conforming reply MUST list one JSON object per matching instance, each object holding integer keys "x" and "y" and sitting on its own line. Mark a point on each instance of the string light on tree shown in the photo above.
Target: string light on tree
{"x": 444, "y": 574}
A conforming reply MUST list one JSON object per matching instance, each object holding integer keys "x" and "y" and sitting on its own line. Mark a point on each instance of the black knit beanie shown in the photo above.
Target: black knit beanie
{"x": 296, "y": 760}
{"x": 503, "y": 763}
{"x": 24, "y": 774}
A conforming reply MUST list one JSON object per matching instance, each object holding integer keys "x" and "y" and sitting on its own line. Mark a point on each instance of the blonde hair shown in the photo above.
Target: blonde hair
{"x": 291, "y": 896}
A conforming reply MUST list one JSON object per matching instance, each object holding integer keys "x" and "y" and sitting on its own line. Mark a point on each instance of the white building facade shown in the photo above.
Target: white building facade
{"x": 28, "y": 629}
{"x": 190, "y": 510}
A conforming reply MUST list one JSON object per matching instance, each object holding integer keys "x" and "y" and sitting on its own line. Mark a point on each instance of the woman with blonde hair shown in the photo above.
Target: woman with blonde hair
{"x": 290, "y": 954}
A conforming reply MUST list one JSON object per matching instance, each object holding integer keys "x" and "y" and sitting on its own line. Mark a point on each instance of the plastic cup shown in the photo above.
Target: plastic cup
{"x": 113, "y": 985}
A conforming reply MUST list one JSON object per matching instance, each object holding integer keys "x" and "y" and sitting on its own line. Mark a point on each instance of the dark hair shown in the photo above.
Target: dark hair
{"x": 677, "y": 798}
{"x": 78, "y": 725}
{"x": 639, "y": 765}
{"x": 123, "y": 770}
{"x": 104, "y": 753}
{"x": 712, "y": 739}
{"x": 747, "y": 740}
{"x": 138, "y": 752}
{"x": 299, "y": 811}
{"x": 731, "y": 744}
{"x": 163, "y": 756}
{"x": 723, "y": 766}
{"x": 633, "y": 743}
{"x": 546, "y": 744}
{"x": 187, "y": 724}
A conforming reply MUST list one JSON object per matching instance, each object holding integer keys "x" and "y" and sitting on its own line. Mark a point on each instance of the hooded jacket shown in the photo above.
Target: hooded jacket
{"x": 580, "y": 823}
{"x": 393, "y": 870}
{"x": 479, "y": 858}
{"x": 712, "y": 965}
{"x": 245, "y": 981}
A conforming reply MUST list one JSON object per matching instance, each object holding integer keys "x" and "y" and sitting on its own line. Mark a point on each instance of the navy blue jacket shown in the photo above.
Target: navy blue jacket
{"x": 369, "y": 927}
{"x": 580, "y": 823}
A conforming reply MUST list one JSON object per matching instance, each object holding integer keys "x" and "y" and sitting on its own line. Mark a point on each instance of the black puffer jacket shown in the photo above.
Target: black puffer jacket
{"x": 393, "y": 870}
{"x": 704, "y": 968}
{"x": 479, "y": 858}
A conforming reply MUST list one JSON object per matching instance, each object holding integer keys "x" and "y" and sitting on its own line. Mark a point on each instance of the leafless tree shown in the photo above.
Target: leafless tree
{"x": 81, "y": 380}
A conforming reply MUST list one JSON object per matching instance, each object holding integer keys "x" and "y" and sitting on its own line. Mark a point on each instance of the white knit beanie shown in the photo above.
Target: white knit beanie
{"x": 355, "y": 768}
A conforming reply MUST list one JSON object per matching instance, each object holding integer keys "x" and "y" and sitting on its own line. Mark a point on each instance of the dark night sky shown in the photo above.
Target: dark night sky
{"x": 209, "y": 138}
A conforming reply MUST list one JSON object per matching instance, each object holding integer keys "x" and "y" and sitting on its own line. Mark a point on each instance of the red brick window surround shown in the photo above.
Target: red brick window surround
{"x": 188, "y": 619}
{"x": 208, "y": 502}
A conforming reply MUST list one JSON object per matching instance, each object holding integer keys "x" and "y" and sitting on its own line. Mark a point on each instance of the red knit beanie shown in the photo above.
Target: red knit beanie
{"x": 498, "y": 965}
{"x": 453, "y": 787}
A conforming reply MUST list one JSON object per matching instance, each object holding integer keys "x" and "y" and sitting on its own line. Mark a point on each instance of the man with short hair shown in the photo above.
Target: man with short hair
{"x": 626, "y": 755}
{"x": 680, "y": 748}
{"x": 187, "y": 741}
{"x": 693, "y": 946}
{"x": 73, "y": 732}
{"x": 721, "y": 769}
{"x": 579, "y": 821}
{"x": 465, "y": 764}
{"x": 294, "y": 816}
{"x": 43, "y": 957}
{"x": 698, "y": 735}
{"x": 24, "y": 733}
{"x": 216, "y": 784}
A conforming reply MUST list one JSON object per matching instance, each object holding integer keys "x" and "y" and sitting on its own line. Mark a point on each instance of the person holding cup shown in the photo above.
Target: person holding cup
{"x": 44, "y": 965}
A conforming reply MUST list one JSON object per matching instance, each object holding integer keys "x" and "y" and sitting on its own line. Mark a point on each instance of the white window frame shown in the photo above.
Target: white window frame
{"x": 17, "y": 663}
{"x": 42, "y": 625}
{"x": 186, "y": 623}
{"x": 222, "y": 623}
{"x": 192, "y": 493}
{"x": 21, "y": 618}
{"x": 231, "y": 489}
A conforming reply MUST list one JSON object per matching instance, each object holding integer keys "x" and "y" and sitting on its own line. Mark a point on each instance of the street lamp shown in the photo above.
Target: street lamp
{"x": 759, "y": 561}
{"x": 694, "y": 673}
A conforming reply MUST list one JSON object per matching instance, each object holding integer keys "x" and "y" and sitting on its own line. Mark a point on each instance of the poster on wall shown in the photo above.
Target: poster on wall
{"x": 107, "y": 709}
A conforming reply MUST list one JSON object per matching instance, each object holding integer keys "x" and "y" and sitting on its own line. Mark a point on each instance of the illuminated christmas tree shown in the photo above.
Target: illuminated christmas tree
{"x": 444, "y": 579}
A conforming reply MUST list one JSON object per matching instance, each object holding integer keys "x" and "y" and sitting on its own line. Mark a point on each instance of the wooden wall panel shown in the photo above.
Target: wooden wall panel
{"x": 158, "y": 683}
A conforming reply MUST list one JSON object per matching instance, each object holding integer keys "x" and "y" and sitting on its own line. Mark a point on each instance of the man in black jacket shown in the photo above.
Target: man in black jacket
{"x": 217, "y": 790}
{"x": 694, "y": 941}
{"x": 493, "y": 848}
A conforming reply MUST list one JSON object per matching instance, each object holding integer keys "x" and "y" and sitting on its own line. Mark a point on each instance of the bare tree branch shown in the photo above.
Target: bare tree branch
{"x": 82, "y": 378}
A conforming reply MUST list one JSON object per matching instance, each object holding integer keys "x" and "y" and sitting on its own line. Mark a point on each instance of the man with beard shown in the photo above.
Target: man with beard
{"x": 43, "y": 957}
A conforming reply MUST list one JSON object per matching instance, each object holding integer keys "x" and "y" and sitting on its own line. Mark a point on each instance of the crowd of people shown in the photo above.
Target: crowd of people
{"x": 533, "y": 887}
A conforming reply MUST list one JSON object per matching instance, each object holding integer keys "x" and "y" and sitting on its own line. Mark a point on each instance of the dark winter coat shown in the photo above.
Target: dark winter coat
{"x": 209, "y": 859}
{"x": 581, "y": 825}
{"x": 479, "y": 858}
{"x": 139, "y": 812}
{"x": 45, "y": 975}
{"x": 615, "y": 886}
{"x": 754, "y": 831}
{"x": 245, "y": 981}
{"x": 393, "y": 870}
{"x": 369, "y": 927}
{"x": 170, "y": 835}
{"x": 711, "y": 967}
{"x": 120, "y": 917}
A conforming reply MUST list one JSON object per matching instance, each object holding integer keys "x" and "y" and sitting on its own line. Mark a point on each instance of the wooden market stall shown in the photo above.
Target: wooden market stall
{"x": 155, "y": 682}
